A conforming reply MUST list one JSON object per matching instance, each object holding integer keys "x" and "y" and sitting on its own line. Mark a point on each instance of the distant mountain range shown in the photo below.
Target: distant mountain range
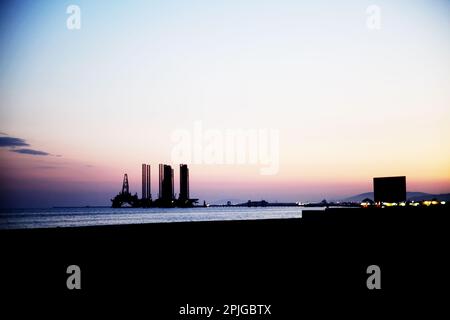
{"x": 412, "y": 196}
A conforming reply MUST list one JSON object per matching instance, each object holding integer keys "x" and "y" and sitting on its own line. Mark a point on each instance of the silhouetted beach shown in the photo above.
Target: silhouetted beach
{"x": 323, "y": 254}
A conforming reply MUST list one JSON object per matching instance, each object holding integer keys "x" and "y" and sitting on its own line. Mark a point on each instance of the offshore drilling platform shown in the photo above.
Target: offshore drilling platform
{"x": 166, "y": 196}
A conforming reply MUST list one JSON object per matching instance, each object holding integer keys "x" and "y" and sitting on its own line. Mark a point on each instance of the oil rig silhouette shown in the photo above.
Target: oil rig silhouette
{"x": 166, "y": 196}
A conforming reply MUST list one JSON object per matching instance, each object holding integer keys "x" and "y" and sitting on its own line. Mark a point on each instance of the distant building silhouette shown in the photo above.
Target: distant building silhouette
{"x": 184, "y": 182}
{"x": 165, "y": 183}
{"x": 146, "y": 188}
{"x": 389, "y": 189}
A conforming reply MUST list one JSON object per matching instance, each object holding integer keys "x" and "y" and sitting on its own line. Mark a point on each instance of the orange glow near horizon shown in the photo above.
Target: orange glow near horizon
{"x": 208, "y": 182}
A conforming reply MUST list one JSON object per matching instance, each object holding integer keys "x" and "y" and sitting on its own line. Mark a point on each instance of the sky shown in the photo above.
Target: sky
{"x": 346, "y": 101}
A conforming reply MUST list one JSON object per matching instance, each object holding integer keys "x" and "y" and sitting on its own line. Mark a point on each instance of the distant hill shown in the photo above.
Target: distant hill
{"x": 358, "y": 197}
{"x": 426, "y": 196}
{"x": 415, "y": 196}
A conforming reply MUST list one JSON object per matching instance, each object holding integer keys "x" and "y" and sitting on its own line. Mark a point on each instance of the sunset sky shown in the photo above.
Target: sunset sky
{"x": 79, "y": 108}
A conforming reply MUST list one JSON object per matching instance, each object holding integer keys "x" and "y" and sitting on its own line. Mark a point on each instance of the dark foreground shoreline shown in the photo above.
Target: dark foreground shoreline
{"x": 321, "y": 258}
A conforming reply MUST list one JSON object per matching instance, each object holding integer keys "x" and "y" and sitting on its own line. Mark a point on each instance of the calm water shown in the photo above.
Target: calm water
{"x": 74, "y": 217}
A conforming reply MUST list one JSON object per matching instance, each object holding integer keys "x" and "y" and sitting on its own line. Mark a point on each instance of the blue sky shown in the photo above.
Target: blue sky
{"x": 349, "y": 103}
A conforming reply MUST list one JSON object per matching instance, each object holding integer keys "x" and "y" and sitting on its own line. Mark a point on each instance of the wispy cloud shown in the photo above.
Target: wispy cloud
{"x": 31, "y": 152}
{"x": 12, "y": 142}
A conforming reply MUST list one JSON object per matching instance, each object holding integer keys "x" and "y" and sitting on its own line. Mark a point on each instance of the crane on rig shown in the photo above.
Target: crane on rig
{"x": 125, "y": 197}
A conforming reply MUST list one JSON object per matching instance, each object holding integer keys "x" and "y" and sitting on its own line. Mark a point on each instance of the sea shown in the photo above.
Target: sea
{"x": 96, "y": 216}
